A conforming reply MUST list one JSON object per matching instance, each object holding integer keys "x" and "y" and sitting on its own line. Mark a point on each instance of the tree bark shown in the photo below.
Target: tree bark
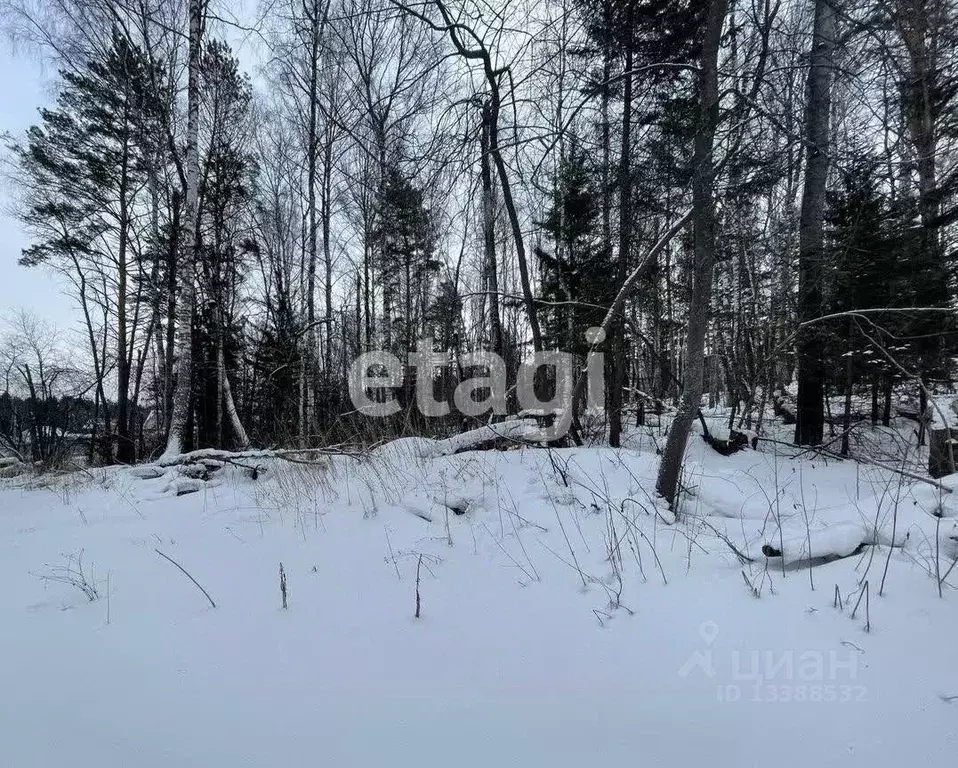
{"x": 810, "y": 402}
{"x": 703, "y": 204}
{"x": 184, "y": 311}
{"x": 124, "y": 445}
{"x": 886, "y": 407}
{"x": 231, "y": 412}
{"x": 849, "y": 371}
{"x": 312, "y": 342}
{"x": 489, "y": 235}
{"x": 327, "y": 216}
{"x": 625, "y": 240}
{"x": 919, "y": 27}
{"x": 517, "y": 236}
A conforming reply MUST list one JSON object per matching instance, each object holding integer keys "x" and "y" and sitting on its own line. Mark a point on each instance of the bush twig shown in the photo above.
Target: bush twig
{"x": 187, "y": 574}
{"x": 418, "y": 601}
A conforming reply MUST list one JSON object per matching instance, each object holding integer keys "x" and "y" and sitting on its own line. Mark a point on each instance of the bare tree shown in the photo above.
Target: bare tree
{"x": 182, "y": 394}
{"x": 703, "y": 216}
{"x": 810, "y": 409}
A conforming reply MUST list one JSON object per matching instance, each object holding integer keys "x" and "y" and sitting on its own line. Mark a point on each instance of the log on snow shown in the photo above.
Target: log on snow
{"x": 835, "y": 541}
{"x": 510, "y": 432}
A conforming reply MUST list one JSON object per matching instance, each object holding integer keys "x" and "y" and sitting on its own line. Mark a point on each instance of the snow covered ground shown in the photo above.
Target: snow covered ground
{"x": 565, "y": 621}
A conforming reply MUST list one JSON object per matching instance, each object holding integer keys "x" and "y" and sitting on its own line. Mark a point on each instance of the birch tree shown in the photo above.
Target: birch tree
{"x": 182, "y": 394}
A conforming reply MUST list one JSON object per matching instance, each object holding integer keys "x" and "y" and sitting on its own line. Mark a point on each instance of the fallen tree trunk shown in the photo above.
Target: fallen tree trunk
{"x": 782, "y": 409}
{"x": 736, "y": 441}
{"x": 490, "y": 436}
{"x": 834, "y": 542}
{"x": 206, "y": 454}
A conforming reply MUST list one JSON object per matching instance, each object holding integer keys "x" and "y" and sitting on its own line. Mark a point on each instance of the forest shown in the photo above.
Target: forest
{"x": 478, "y": 383}
{"x": 754, "y": 200}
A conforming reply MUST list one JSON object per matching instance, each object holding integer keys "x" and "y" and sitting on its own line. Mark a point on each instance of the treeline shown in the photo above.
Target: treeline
{"x": 53, "y": 430}
{"x": 721, "y": 174}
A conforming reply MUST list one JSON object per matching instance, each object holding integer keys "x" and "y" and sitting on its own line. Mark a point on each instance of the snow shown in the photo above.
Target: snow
{"x": 942, "y": 413}
{"x": 565, "y": 619}
{"x": 509, "y": 430}
{"x": 517, "y": 430}
{"x": 836, "y": 540}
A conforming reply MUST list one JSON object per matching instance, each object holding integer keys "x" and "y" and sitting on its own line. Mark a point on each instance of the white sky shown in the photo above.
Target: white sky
{"x": 24, "y": 88}
{"x": 37, "y": 289}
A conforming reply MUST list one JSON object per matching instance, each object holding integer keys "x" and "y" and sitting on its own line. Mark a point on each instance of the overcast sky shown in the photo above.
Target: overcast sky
{"x": 36, "y": 289}
{"x": 24, "y": 88}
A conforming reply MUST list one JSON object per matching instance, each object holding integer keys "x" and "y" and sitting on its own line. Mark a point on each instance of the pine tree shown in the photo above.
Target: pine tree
{"x": 925, "y": 341}
{"x": 226, "y": 188}
{"x": 84, "y": 166}
{"x": 575, "y": 270}
{"x": 406, "y": 236}
{"x": 648, "y": 37}
{"x": 861, "y": 270}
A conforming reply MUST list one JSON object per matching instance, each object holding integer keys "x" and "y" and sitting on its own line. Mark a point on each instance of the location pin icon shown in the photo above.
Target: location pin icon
{"x": 708, "y": 631}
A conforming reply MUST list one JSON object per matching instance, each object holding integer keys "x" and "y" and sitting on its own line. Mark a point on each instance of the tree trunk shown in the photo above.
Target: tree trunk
{"x": 310, "y": 373}
{"x": 886, "y": 409}
{"x": 703, "y": 203}
{"x": 809, "y": 411}
{"x": 517, "y": 236}
{"x": 180, "y": 418}
{"x": 923, "y": 415}
{"x": 625, "y": 240}
{"x": 327, "y": 215}
{"x": 98, "y": 370}
{"x": 849, "y": 370}
{"x": 172, "y": 278}
{"x": 231, "y": 412}
{"x": 606, "y": 142}
{"x": 919, "y": 26}
{"x": 218, "y": 440}
{"x": 874, "y": 400}
{"x": 124, "y": 446}
{"x": 489, "y": 235}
